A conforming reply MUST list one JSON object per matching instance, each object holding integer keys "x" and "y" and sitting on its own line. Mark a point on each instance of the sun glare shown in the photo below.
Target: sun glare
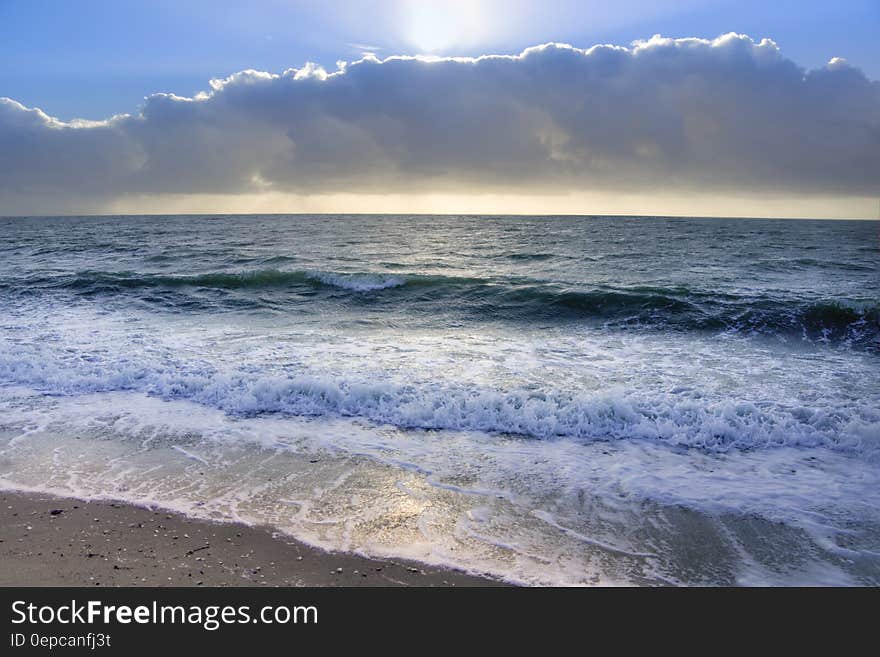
{"x": 436, "y": 27}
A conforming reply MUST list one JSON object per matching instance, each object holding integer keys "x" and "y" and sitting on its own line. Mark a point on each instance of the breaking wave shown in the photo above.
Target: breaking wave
{"x": 855, "y": 322}
{"x": 676, "y": 419}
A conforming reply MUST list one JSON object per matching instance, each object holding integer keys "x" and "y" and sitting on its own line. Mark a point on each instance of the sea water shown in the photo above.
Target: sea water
{"x": 549, "y": 400}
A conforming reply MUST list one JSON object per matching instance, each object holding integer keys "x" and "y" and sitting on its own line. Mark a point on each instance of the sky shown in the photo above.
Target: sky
{"x": 739, "y": 108}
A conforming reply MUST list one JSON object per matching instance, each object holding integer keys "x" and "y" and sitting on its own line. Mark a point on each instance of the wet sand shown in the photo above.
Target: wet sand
{"x": 52, "y": 541}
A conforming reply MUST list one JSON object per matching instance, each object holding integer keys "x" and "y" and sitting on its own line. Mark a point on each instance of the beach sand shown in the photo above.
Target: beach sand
{"x": 52, "y": 541}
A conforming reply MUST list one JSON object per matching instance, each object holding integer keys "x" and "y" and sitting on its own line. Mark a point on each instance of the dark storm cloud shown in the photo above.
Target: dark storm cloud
{"x": 729, "y": 114}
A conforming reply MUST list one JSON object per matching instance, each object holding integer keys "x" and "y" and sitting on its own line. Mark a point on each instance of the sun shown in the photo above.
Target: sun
{"x": 438, "y": 26}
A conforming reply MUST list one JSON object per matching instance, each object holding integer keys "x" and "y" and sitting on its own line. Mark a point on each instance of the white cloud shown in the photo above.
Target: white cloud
{"x": 680, "y": 115}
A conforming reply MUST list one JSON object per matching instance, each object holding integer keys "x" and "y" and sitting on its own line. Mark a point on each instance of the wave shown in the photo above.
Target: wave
{"x": 262, "y": 279}
{"x": 250, "y": 280}
{"x": 357, "y": 282}
{"x": 789, "y": 264}
{"x": 856, "y": 322}
{"x": 686, "y": 420}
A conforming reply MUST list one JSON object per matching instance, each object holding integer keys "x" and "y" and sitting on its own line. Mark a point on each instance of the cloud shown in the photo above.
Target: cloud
{"x": 682, "y": 115}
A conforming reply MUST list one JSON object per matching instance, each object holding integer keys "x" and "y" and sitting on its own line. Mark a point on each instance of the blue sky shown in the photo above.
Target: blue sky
{"x": 95, "y": 58}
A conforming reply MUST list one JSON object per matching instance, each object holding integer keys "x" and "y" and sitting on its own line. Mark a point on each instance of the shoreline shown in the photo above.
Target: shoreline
{"x": 46, "y": 540}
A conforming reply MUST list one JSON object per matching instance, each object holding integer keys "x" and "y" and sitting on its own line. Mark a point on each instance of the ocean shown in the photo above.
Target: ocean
{"x": 548, "y": 400}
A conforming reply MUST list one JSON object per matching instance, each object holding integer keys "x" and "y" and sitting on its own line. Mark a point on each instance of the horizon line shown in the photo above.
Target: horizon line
{"x": 427, "y": 214}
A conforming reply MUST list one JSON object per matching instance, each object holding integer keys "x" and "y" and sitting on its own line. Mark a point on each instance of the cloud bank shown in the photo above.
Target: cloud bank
{"x": 730, "y": 115}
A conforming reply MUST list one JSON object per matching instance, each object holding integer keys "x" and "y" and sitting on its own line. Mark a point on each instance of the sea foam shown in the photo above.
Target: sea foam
{"x": 679, "y": 418}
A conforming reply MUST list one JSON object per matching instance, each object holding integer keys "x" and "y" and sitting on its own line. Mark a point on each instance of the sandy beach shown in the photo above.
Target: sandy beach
{"x": 52, "y": 541}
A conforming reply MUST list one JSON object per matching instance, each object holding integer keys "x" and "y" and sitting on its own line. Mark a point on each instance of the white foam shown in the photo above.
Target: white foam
{"x": 389, "y": 438}
{"x": 550, "y": 520}
{"x": 358, "y": 282}
{"x": 690, "y": 420}
{"x": 190, "y": 455}
{"x": 592, "y": 513}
